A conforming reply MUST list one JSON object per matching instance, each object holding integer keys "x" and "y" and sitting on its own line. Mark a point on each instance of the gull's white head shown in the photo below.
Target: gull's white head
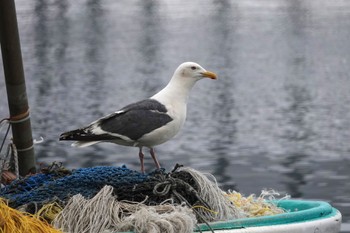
{"x": 184, "y": 78}
{"x": 193, "y": 71}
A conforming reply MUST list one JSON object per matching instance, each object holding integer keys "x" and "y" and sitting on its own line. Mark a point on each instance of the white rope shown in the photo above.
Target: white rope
{"x": 26, "y": 149}
{"x": 5, "y": 159}
{"x": 16, "y": 121}
{"x": 15, "y": 159}
{"x": 3, "y": 122}
{"x": 103, "y": 213}
{"x": 220, "y": 206}
{"x": 38, "y": 141}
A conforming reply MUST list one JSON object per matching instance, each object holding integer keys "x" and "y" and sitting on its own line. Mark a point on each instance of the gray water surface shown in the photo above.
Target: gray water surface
{"x": 278, "y": 117}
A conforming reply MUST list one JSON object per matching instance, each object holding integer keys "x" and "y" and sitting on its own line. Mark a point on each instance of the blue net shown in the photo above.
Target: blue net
{"x": 62, "y": 184}
{"x": 57, "y": 184}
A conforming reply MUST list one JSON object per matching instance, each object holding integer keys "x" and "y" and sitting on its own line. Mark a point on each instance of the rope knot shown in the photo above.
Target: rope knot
{"x": 164, "y": 188}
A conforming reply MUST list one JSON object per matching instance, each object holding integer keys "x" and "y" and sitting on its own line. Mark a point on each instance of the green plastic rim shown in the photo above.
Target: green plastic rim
{"x": 297, "y": 211}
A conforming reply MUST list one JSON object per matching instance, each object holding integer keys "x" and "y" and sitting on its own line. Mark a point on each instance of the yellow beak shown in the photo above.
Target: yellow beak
{"x": 209, "y": 74}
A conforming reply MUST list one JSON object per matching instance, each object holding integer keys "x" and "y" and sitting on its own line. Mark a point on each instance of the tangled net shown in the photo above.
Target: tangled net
{"x": 110, "y": 199}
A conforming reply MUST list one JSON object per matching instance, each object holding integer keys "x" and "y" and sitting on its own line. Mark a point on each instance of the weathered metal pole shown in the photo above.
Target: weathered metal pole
{"x": 15, "y": 86}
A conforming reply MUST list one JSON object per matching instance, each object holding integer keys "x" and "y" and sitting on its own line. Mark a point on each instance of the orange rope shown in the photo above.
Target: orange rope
{"x": 19, "y": 117}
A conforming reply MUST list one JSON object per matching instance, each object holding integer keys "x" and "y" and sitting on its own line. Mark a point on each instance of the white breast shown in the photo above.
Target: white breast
{"x": 177, "y": 111}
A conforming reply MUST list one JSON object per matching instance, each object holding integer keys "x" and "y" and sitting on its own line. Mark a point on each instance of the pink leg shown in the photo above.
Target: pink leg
{"x": 141, "y": 155}
{"x": 154, "y": 158}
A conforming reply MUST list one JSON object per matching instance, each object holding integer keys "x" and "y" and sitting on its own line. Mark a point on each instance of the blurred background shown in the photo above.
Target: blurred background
{"x": 278, "y": 116}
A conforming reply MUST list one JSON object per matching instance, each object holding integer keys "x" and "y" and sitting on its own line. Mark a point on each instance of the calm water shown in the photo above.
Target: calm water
{"x": 278, "y": 117}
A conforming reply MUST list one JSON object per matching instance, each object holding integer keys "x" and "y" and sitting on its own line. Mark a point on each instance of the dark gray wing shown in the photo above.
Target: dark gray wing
{"x": 136, "y": 120}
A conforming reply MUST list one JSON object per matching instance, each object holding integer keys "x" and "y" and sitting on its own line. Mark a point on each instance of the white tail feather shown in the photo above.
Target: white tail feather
{"x": 84, "y": 144}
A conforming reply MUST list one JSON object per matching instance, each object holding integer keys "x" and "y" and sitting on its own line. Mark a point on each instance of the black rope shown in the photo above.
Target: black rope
{"x": 170, "y": 185}
{"x": 177, "y": 166}
{"x": 5, "y": 119}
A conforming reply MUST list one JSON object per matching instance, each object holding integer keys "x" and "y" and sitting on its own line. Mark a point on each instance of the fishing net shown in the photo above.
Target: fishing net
{"x": 57, "y": 183}
{"x": 107, "y": 199}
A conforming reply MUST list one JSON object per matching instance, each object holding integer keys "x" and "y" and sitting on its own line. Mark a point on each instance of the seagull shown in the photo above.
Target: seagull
{"x": 146, "y": 123}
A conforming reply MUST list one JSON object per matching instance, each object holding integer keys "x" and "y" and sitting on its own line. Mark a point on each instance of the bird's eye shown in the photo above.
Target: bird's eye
{"x": 193, "y": 68}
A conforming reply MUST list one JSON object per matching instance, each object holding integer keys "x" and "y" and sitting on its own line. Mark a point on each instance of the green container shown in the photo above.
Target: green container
{"x": 301, "y": 216}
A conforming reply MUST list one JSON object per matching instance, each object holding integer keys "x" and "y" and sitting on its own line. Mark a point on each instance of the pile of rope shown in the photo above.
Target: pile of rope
{"x": 112, "y": 199}
{"x": 81, "y": 215}
{"x": 8, "y": 160}
{"x": 254, "y": 206}
{"x": 12, "y": 220}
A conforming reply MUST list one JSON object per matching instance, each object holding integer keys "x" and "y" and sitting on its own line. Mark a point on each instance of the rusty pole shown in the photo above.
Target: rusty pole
{"x": 15, "y": 86}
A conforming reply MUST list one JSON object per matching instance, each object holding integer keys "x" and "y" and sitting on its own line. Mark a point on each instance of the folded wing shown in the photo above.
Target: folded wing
{"x": 129, "y": 124}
